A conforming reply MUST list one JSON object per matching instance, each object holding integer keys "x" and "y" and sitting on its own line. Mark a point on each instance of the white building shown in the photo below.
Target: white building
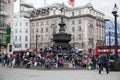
{"x": 21, "y": 33}
{"x": 22, "y": 28}
{"x": 84, "y": 23}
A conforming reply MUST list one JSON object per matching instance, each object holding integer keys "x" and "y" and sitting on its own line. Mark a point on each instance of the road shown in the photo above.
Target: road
{"x": 27, "y": 74}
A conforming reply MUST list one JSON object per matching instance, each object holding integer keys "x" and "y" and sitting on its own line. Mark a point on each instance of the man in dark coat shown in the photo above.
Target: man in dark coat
{"x": 103, "y": 63}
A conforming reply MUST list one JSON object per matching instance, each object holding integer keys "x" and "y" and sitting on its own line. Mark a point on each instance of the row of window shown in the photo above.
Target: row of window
{"x": 36, "y": 24}
{"x": 20, "y": 30}
{"x": 99, "y": 24}
{"x": 20, "y": 45}
{"x": 79, "y": 12}
{"x": 39, "y": 23}
{"x": 79, "y": 29}
{"x": 74, "y": 22}
{"x": 19, "y": 38}
{"x": 73, "y": 30}
{"x": 41, "y": 30}
{"x": 20, "y": 24}
{"x": 39, "y": 38}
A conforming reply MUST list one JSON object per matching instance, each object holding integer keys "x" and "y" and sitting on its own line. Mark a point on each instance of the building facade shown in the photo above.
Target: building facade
{"x": 21, "y": 30}
{"x": 6, "y": 20}
{"x": 21, "y": 33}
{"x": 84, "y": 23}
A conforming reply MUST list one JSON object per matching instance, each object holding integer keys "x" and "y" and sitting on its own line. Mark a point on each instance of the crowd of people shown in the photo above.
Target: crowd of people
{"x": 49, "y": 58}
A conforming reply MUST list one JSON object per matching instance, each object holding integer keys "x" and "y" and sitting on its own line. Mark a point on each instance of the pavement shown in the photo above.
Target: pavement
{"x": 30, "y": 74}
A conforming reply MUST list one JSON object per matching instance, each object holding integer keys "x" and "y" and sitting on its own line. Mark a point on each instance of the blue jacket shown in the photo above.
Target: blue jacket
{"x": 103, "y": 59}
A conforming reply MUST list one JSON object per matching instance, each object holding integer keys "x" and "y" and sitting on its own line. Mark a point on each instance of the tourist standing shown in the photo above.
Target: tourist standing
{"x": 103, "y": 63}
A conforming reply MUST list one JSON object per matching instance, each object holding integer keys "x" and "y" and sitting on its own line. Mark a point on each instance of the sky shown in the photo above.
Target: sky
{"x": 105, "y": 6}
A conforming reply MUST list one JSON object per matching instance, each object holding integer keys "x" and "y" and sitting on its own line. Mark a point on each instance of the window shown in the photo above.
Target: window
{"x": 47, "y": 22}
{"x": 26, "y": 45}
{"x": 79, "y": 29}
{"x": 37, "y": 23}
{"x": 79, "y": 12}
{"x": 41, "y": 30}
{"x": 26, "y": 38}
{"x": 20, "y": 30}
{"x": 97, "y": 24}
{"x": 38, "y": 37}
{"x": 54, "y": 28}
{"x": 100, "y": 25}
{"x": 2, "y": 21}
{"x": 79, "y": 21}
{"x": 26, "y": 23}
{"x": 54, "y": 11}
{"x": 79, "y": 36}
{"x": 55, "y": 21}
{"x": 46, "y": 37}
{"x": 73, "y": 38}
{"x": 42, "y": 23}
{"x": 19, "y": 38}
{"x": 15, "y": 38}
{"x": 73, "y": 22}
{"x": 73, "y": 29}
{"x": 26, "y": 31}
{"x": 41, "y": 37}
{"x": 32, "y": 30}
{"x": 20, "y": 23}
{"x": 18, "y": 45}
{"x": 46, "y": 29}
{"x": 32, "y": 24}
{"x": 32, "y": 38}
{"x": 73, "y": 14}
{"x": 36, "y": 30}
{"x": 15, "y": 30}
{"x": 16, "y": 24}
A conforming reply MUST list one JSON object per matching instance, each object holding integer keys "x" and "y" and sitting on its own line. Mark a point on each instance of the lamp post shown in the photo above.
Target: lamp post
{"x": 114, "y": 12}
{"x": 36, "y": 43}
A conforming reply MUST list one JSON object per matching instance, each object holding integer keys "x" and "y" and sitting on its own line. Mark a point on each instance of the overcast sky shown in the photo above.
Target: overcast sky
{"x": 105, "y": 6}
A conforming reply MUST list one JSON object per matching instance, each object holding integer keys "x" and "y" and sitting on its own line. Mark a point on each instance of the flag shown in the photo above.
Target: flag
{"x": 71, "y": 2}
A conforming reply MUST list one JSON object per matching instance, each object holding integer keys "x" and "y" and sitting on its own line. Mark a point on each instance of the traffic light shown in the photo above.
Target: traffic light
{"x": 10, "y": 48}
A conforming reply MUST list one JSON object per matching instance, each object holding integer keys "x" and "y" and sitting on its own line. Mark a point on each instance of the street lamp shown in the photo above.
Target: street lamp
{"x": 114, "y": 12}
{"x": 37, "y": 41}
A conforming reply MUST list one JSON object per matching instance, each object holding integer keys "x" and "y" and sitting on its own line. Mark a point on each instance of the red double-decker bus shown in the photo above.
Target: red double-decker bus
{"x": 106, "y": 49}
